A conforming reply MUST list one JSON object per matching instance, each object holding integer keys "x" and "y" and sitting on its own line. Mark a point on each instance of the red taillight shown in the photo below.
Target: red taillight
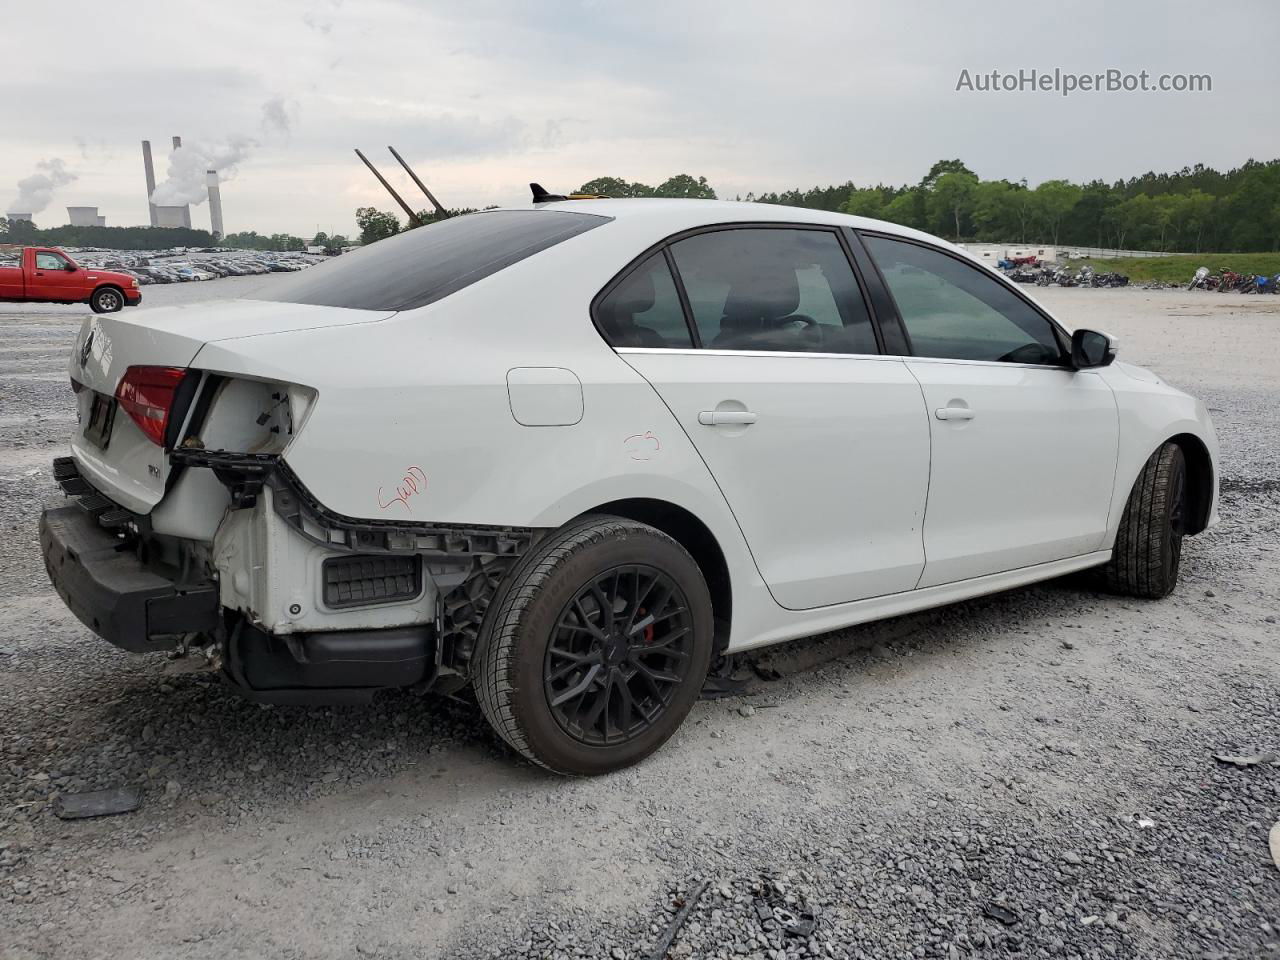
{"x": 146, "y": 395}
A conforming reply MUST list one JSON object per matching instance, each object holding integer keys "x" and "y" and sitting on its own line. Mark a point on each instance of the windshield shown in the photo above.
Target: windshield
{"x": 426, "y": 264}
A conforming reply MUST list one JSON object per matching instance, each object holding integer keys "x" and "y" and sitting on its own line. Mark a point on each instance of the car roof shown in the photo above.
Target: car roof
{"x": 672, "y": 216}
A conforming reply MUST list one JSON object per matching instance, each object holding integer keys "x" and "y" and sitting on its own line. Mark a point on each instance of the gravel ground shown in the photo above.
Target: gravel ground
{"x": 1030, "y": 774}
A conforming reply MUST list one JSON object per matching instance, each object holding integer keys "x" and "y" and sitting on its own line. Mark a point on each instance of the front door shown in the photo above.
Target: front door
{"x": 819, "y": 444}
{"x": 51, "y": 278}
{"x": 1024, "y": 447}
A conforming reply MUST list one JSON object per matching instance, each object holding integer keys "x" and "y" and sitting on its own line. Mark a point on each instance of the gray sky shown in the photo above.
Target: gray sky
{"x": 484, "y": 96}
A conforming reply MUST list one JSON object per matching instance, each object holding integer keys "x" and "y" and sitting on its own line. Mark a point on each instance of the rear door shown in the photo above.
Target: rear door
{"x": 819, "y": 444}
{"x": 1024, "y": 447}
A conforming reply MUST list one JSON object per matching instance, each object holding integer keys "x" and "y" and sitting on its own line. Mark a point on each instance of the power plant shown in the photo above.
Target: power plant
{"x": 85, "y": 217}
{"x": 215, "y": 204}
{"x": 150, "y": 172}
{"x": 179, "y": 215}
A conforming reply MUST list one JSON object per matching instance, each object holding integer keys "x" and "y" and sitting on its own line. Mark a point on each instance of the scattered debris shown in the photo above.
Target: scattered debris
{"x": 97, "y": 803}
{"x": 794, "y": 918}
{"x": 1246, "y": 760}
{"x": 720, "y": 681}
{"x": 669, "y": 935}
{"x": 767, "y": 674}
{"x": 1000, "y": 912}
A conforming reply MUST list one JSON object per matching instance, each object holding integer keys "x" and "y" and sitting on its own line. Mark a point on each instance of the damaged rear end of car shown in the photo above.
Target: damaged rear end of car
{"x": 187, "y": 527}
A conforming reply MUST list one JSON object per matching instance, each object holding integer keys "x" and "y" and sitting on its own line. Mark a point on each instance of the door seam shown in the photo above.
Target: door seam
{"x": 928, "y": 486}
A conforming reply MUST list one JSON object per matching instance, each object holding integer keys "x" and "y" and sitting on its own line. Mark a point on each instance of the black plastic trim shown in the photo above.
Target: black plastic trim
{"x": 893, "y": 333}
{"x": 113, "y": 592}
{"x": 337, "y": 571}
{"x": 328, "y": 668}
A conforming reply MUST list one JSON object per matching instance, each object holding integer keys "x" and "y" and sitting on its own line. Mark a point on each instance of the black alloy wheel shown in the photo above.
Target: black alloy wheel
{"x": 618, "y": 652}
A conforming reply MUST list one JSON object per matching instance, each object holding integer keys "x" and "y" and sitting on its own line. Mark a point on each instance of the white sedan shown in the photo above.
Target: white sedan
{"x": 572, "y": 455}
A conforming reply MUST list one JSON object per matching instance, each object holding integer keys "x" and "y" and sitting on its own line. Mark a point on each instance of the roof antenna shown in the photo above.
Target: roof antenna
{"x": 413, "y": 217}
{"x": 441, "y": 212}
{"x": 540, "y": 195}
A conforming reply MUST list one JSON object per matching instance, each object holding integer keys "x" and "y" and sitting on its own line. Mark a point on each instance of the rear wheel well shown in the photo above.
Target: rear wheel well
{"x": 1199, "y": 481}
{"x": 694, "y": 535}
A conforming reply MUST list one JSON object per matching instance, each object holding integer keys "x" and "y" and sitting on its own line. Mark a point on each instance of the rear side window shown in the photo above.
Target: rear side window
{"x": 774, "y": 289}
{"x": 421, "y": 266}
{"x": 959, "y": 312}
{"x": 644, "y": 309}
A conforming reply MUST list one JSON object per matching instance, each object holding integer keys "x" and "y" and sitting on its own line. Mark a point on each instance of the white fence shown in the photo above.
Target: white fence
{"x": 1107, "y": 253}
{"x": 992, "y": 253}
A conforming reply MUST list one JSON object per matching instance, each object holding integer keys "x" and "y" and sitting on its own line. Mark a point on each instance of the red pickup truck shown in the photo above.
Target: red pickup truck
{"x": 47, "y": 275}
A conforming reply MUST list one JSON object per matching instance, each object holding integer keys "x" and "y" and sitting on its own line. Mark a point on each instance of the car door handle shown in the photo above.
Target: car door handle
{"x": 953, "y": 413}
{"x": 714, "y": 418}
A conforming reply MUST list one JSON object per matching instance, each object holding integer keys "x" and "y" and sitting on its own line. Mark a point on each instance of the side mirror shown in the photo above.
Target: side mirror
{"x": 1089, "y": 348}
{"x": 70, "y": 268}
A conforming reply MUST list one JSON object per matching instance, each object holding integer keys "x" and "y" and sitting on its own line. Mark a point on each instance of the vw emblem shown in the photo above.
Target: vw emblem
{"x": 85, "y": 348}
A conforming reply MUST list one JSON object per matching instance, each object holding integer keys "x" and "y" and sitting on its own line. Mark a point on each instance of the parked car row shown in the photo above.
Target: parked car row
{"x": 181, "y": 267}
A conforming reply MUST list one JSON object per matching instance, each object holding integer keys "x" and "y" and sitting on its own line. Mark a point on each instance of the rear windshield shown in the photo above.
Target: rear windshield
{"x": 427, "y": 264}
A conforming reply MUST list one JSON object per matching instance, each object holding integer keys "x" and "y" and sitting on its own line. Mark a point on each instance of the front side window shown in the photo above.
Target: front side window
{"x": 955, "y": 311}
{"x": 773, "y": 289}
{"x": 644, "y": 309}
{"x": 50, "y": 261}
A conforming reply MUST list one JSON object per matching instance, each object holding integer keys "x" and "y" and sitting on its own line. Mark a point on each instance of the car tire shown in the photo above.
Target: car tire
{"x": 106, "y": 300}
{"x": 556, "y": 667}
{"x": 1148, "y": 548}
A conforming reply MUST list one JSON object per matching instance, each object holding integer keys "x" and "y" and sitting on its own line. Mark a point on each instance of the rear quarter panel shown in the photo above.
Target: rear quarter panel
{"x": 413, "y": 420}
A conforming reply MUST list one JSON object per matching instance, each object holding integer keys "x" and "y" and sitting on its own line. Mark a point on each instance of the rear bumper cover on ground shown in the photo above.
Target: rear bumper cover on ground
{"x": 112, "y": 592}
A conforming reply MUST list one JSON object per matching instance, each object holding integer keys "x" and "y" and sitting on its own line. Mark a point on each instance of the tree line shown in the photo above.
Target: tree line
{"x": 155, "y": 238}
{"x": 376, "y": 224}
{"x": 1193, "y": 209}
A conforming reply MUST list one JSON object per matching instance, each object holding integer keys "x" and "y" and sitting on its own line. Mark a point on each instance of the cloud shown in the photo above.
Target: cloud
{"x": 278, "y": 116}
{"x": 36, "y": 191}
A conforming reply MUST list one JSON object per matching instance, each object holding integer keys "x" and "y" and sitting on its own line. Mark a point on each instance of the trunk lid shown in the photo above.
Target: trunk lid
{"x": 129, "y": 467}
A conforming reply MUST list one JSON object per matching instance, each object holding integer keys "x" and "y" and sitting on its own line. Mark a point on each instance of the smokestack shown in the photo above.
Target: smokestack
{"x": 151, "y": 178}
{"x": 186, "y": 207}
{"x": 215, "y": 204}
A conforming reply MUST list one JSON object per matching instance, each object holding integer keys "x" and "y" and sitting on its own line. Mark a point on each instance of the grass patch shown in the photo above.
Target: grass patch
{"x": 1180, "y": 268}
